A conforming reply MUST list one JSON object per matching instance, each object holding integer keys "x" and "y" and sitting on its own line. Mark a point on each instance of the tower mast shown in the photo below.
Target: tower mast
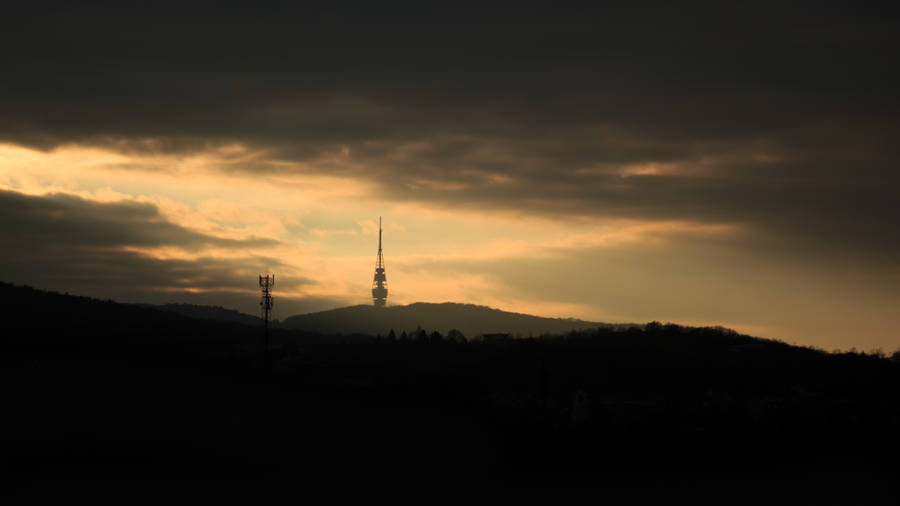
{"x": 266, "y": 284}
{"x": 379, "y": 284}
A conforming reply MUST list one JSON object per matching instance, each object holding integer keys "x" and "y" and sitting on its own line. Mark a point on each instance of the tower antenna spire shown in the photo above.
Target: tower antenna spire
{"x": 379, "y": 284}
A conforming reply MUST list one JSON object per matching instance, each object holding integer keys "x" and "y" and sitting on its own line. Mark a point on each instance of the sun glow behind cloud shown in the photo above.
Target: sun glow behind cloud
{"x": 320, "y": 231}
{"x": 316, "y": 219}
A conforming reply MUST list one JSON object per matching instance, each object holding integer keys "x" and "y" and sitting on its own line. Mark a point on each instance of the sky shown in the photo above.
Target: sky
{"x": 695, "y": 164}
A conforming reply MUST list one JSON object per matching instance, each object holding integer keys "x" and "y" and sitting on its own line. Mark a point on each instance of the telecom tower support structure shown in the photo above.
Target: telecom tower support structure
{"x": 379, "y": 284}
{"x": 266, "y": 284}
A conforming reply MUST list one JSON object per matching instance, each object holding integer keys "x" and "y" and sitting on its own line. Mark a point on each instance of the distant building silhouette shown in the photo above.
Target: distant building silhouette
{"x": 379, "y": 284}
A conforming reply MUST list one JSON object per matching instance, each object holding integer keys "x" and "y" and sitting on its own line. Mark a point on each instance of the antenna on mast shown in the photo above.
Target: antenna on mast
{"x": 266, "y": 284}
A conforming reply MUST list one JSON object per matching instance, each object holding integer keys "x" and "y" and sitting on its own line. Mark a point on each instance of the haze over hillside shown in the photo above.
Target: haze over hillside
{"x": 217, "y": 313}
{"x": 470, "y": 319}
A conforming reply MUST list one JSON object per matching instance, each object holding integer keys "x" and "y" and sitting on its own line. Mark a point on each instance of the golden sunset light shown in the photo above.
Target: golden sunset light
{"x": 313, "y": 222}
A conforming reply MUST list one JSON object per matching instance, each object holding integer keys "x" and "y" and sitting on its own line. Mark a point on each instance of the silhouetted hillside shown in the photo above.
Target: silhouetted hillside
{"x": 470, "y": 319}
{"x": 105, "y": 393}
{"x": 208, "y": 313}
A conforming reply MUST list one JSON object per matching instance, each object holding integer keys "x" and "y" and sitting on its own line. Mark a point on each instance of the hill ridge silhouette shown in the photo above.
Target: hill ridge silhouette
{"x": 207, "y": 312}
{"x": 103, "y": 389}
{"x": 470, "y": 319}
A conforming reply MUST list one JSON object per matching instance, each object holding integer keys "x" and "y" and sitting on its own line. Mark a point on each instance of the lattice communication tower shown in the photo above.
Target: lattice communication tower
{"x": 266, "y": 284}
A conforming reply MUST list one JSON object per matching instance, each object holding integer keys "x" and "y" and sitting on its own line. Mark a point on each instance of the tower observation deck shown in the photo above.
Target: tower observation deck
{"x": 379, "y": 284}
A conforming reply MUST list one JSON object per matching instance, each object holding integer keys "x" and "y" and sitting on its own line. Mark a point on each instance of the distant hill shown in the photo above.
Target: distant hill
{"x": 217, "y": 313}
{"x": 470, "y": 319}
{"x": 99, "y": 392}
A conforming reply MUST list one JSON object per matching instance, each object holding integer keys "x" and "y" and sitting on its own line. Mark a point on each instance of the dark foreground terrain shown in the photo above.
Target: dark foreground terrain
{"x": 109, "y": 401}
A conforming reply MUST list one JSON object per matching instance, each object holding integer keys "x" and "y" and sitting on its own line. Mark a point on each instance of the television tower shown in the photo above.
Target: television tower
{"x": 379, "y": 284}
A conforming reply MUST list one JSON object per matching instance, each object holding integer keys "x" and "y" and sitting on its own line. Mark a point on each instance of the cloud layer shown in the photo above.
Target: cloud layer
{"x": 67, "y": 243}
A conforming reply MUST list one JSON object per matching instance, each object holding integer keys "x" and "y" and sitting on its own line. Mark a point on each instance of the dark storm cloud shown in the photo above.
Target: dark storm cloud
{"x": 68, "y": 243}
{"x": 337, "y": 75}
{"x": 785, "y": 118}
{"x": 67, "y": 221}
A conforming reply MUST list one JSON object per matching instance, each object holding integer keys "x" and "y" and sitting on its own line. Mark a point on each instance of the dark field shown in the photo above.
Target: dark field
{"x": 122, "y": 402}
